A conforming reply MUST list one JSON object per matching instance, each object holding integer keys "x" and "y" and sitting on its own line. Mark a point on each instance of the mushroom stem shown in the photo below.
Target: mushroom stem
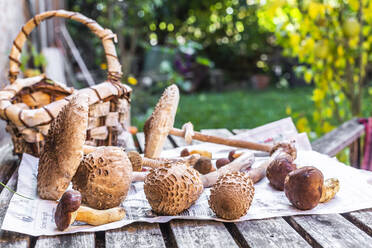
{"x": 330, "y": 187}
{"x": 88, "y": 149}
{"x": 138, "y": 161}
{"x": 99, "y": 217}
{"x": 139, "y": 176}
{"x": 223, "y": 141}
{"x": 243, "y": 162}
{"x": 256, "y": 174}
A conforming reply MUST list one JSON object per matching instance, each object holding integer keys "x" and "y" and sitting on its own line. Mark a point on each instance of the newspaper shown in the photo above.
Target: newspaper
{"x": 36, "y": 217}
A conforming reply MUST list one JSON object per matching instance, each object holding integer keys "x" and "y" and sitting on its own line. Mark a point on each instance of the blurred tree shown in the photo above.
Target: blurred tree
{"x": 227, "y": 29}
{"x": 332, "y": 40}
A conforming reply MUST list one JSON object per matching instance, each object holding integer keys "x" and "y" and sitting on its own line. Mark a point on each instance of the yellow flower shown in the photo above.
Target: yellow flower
{"x": 303, "y": 125}
{"x": 318, "y": 95}
{"x": 132, "y": 80}
{"x": 288, "y": 110}
{"x": 103, "y": 66}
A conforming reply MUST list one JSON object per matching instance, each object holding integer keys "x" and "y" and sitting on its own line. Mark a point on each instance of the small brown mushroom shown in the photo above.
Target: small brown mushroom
{"x": 185, "y": 152}
{"x": 66, "y": 210}
{"x": 69, "y": 209}
{"x": 233, "y": 155}
{"x": 221, "y": 162}
{"x": 232, "y": 195}
{"x": 303, "y": 187}
{"x": 104, "y": 177}
{"x": 278, "y": 170}
{"x": 203, "y": 165}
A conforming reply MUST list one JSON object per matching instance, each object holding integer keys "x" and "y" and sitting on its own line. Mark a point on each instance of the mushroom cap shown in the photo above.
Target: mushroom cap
{"x": 63, "y": 149}
{"x": 161, "y": 121}
{"x": 136, "y": 160}
{"x": 232, "y": 195}
{"x": 172, "y": 189}
{"x": 222, "y": 162}
{"x": 303, "y": 187}
{"x": 104, "y": 177}
{"x": 288, "y": 147}
{"x": 278, "y": 170}
{"x": 67, "y": 205}
{"x": 203, "y": 165}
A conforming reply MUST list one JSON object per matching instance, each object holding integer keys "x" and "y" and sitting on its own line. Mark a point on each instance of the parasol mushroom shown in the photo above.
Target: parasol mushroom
{"x": 161, "y": 121}
{"x": 104, "y": 177}
{"x": 63, "y": 149}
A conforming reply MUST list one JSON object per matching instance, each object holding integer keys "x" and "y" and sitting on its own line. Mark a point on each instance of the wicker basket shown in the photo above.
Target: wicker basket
{"x": 29, "y": 105}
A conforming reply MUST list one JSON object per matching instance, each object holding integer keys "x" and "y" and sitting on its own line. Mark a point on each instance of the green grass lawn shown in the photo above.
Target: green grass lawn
{"x": 232, "y": 109}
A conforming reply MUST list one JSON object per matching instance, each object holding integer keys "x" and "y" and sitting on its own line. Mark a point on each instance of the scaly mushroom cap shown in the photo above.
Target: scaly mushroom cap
{"x": 160, "y": 122}
{"x": 104, "y": 177}
{"x": 303, "y": 187}
{"x": 172, "y": 189}
{"x": 63, "y": 149}
{"x": 232, "y": 195}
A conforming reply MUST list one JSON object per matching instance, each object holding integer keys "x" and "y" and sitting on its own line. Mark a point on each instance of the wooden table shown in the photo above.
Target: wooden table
{"x": 332, "y": 230}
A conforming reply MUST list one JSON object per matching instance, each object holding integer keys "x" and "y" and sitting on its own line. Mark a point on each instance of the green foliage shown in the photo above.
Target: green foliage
{"x": 32, "y": 60}
{"x": 332, "y": 41}
{"x": 227, "y": 30}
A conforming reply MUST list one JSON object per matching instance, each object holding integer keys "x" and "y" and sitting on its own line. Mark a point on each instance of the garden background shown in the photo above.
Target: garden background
{"x": 238, "y": 63}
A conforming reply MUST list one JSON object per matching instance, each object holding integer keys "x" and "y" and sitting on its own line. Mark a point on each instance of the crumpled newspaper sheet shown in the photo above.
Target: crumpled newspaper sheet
{"x": 36, "y": 217}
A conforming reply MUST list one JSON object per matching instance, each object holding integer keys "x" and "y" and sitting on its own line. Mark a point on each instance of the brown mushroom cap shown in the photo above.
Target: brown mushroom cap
{"x": 161, "y": 121}
{"x": 232, "y": 195}
{"x": 172, "y": 189}
{"x": 203, "y": 165}
{"x": 278, "y": 170}
{"x": 63, "y": 149}
{"x": 303, "y": 187}
{"x": 66, "y": 208}
{"x": 104, "y": 177}
{"x": 222, "y": 162}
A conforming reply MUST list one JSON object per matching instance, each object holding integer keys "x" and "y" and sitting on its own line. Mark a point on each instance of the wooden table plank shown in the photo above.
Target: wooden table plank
{"x": 135, "y": 235}
{"x": 141, "y": 141}
{"x": 10, "y": 239}
{"x": 330, "y": 230}
{"x": 336, "y": 140}
{"x": 76, "y": 240}
{"x": 273, "y": 232}
{"x": 362, "y": 219}
{"x": 191, "y": 233}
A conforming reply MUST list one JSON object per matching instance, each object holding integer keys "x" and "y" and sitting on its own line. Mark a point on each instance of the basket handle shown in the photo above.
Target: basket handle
{"x": 106, "y": 36}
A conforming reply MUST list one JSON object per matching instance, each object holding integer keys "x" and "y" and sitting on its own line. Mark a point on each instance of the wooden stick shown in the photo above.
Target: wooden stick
{"x": 223, "y": 141}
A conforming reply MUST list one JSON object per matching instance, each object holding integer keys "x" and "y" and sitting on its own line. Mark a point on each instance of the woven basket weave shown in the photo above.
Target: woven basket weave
{"x": 29, "y": 105}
